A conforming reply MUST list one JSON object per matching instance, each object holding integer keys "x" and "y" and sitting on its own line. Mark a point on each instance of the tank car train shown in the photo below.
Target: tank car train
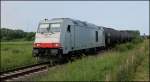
{"x": 62, "y": 37}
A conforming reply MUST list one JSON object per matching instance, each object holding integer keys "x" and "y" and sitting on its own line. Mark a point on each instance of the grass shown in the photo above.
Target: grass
{"x": 126, "y": 71}
{"x": 142, "y": 71}
{"x": 122, "y": 63}
{"x": 16, "y": 54}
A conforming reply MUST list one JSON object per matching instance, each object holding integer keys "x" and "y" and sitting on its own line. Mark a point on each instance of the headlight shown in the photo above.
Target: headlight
{"x": 36, "y": 44}
{"x": 56, "y": 45}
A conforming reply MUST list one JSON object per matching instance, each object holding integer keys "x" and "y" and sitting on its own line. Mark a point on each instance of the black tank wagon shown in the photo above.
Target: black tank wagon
{"x": 112, "y": 36}
{"x": 128, "y": 35}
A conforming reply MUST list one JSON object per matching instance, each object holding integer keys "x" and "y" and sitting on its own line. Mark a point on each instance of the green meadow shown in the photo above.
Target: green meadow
{"x": 16, "y": 54}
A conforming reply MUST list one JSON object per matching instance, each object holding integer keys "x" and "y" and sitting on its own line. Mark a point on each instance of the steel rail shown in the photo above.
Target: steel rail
{"x": 16, "y": 73}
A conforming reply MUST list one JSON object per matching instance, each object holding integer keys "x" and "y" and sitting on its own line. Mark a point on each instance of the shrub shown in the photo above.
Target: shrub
{"x": 124, "y": 47}
{"x": 129, "y": 46}
{"x": 137, "y": 40}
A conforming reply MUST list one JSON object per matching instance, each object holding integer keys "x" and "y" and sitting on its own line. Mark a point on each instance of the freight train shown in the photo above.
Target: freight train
{"x": 63, "y": 37}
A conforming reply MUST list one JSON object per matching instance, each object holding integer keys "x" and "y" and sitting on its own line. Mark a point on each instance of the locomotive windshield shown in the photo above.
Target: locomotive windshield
{"x": 47, "y": 27}
{"x": 55, "y": 27}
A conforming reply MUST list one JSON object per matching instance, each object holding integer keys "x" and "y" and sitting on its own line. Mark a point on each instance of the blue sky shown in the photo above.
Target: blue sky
{"x": 123, "y": 15}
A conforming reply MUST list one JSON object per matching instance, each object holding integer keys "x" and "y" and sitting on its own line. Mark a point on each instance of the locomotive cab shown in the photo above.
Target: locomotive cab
{"x": 47, "y": 39}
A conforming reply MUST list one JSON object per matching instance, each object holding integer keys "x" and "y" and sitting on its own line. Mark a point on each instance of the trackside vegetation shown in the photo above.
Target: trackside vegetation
{"x": 15, "y": 35}
{"x": 125, "y": 62}
{"x": 16, "y": 54}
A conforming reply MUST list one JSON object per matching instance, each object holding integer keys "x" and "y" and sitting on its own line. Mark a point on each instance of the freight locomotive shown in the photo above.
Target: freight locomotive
{"x": 62, "y": 37}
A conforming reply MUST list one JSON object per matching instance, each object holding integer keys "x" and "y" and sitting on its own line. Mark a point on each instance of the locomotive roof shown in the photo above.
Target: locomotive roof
{"x": 76, "y": 22}
{"x": 54, "y": 20}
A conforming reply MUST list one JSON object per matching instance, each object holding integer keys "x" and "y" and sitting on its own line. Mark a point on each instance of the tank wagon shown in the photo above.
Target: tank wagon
{"x": 62, "y": 37}
{"x": 112, "y": 36}
{"x": 128, "y": 35}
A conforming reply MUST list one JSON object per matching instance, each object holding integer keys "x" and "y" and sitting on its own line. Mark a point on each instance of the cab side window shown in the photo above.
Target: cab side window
{"x": 68, "y": 28}
{"x": 96, "y": 35}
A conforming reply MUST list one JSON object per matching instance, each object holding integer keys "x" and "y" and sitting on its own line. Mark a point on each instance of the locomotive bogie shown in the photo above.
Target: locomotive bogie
{"x": 46, "y": 52}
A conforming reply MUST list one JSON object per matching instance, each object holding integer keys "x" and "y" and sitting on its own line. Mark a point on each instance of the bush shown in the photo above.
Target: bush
{"x": 13, "y": 35}
{"x": 30, "y": 36}
{"x": 137, "y": 40}
{"x": 124, "y": 47}
{"x": 130, "y": 46}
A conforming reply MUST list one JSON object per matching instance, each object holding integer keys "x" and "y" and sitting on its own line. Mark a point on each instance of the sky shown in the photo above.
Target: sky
{"x": 120, "y": 15}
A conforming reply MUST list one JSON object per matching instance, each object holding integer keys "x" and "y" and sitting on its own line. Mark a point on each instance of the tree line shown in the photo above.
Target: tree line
{"x": 9, "y": 35}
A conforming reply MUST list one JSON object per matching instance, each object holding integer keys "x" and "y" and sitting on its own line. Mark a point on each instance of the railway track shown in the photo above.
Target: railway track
{"x": 23, "y": 72}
